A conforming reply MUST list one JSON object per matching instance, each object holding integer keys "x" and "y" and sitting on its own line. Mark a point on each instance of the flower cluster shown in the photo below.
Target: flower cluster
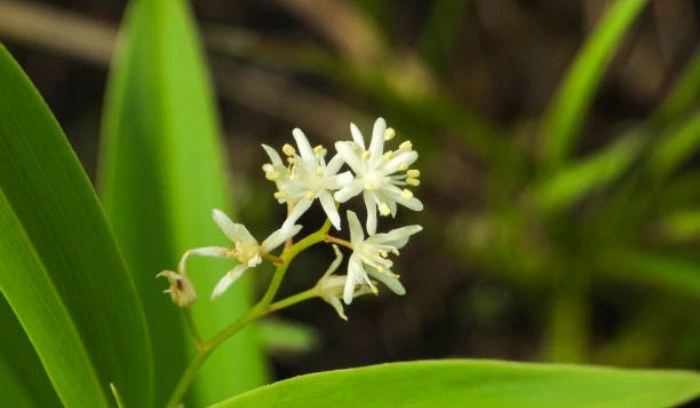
{"x": 383, "y": 177}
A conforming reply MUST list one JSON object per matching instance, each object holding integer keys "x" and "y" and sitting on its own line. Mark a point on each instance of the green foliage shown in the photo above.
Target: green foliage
{"x": 60, "y": 269}
{"x": 565, "y": 116}
{"x": 454, "y": 383}
{"x": 162, "y": 174}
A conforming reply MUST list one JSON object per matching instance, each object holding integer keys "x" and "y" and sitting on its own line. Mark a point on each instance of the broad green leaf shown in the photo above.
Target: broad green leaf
{"x": 476, "y": 383}
{"x": 675, "y": 147}
{"x": 161, "y": 176}
{"x": 572, "y": 182}
{"x": 60, "y": 269}
{"x": 565, "y": 116}
{"x": 23, "y": 381}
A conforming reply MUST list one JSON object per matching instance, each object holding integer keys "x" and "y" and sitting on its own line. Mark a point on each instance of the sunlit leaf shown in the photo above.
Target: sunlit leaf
{"x": 60, "y": 269}
{"x": 458, "y": 383}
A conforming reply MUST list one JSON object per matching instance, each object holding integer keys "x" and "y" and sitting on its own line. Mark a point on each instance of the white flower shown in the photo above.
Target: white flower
{"x": 181, "y": 290}
{"x": 380, "y": 176}
{"x": 245, "y": 249}
{"x": 306, "y": 178}
{"x": 370, "y": 257}
{"x": 330, "y": 287}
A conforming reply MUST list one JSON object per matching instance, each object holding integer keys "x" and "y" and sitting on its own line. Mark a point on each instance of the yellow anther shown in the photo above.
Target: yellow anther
{"x": 292, "y": 160}
{"x": 318, "y": 149}
{"x": 403, "y": 166}
{"x": 384, "y": 209}
{"x": 415, "y": 173}
{"x": 366, "y": 155}
{"x": 388, "y": 155}
{"x": 319, "y": 171}
{"x": 374, "y": 290}
{"x": 267, "y": 167}
{"x": 280, "y": 195}
{"x": 369, "y": 187}
{"x": 272, "y": 175}
{"x": 407, "y": 145}
{"x": 380, "y": 269}
{"x": 288, "y": 149}
{"x": 412, "y": 181}
{"x": 310, "y": 195}
{"x": 389, "y": 133}
{"x": 395, "y": 276}
{"x": 406, "y": 194}
{"x": 383, "y": 254}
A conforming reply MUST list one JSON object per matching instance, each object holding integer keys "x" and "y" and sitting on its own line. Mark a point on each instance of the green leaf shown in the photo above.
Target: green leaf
{"x": 672, "y": 272}
{"x": 565, "y": 116}
{"x": 675, "y": 147}
{"x": 438, "y": 34}
{"x": 60, "y": 269}
{"x": 685, "y": 93}
{"x": 287, "y": 336}
{"x": 476, "y": 383}
{"x": 162, "y": 174}
{"x": 569, "y": 184}
{"x": 681, "y": 225}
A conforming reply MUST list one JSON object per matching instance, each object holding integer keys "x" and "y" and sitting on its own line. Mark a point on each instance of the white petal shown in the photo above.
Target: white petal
{"x": 376, "y": 146}
{"x": 407, "y": 157}
{"x": 279, "y": 236}
{"x": 299, "y": 209}
{"x": 227, "y": 280}
{"x": 334, "y": 164}
{"x": 234, "y": 232}
{"x": 335, "y": 302}
{"x": 356, "y": 233}
{"x": 303, "y": 144}
{"x": 348, "y": 192}
{"x": 328, "y": 204}
{"x": 354, "y": 277}
{"x": 395, "y": 193}
{"x": 336, "y": 262}
{"x": 218, "y": 252}
{"x": 350, "y": 154}
{"x": 273, "y": 155}
{"x": 392, "y": 283}
{"x": 396, "y": 237}
{"x": 371, "y": 206}
{"x": 357, "y": 136}
{"x": 254, "y": 261}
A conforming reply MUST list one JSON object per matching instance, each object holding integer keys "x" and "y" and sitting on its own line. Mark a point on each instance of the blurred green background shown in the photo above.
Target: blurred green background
{"x": 562, "y": 186}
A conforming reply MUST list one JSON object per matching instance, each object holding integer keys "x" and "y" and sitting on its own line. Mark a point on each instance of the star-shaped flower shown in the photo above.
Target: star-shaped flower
{"x": 380, "y": 176}
{"x": 330, "y": 287}
{"x": 245, "y": 249}
{"x": 370, "y": 257}
{"x": 306, "y": 178}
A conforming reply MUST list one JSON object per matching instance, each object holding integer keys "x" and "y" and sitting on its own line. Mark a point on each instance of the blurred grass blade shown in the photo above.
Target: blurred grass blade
{"x": 59, "y": 266}
{"x": 676, "y": 146}
{"x": 476, "y": 383}
{"x": 23, "y": 381}
{"x": 672, "y": 272}
{"x": 279, "y": 335}
{"x": 569, "y": 184}
{"x": 438, "y": 34}
{"x": 684, "y": 95}
{"x": 681, "y": 226}
{"x": 162, "y": 174}
{"x": 565, "y": 116}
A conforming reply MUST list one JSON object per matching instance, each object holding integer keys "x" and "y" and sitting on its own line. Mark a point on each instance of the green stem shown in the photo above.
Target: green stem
{"x": 192, "y": 327}
{"x": 568, "y": 326}
{"x": 334, "y": 240}
{"x": 263, "y": 307}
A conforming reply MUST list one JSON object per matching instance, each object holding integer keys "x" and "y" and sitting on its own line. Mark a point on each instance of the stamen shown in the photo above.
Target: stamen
{"x": 407, "y": 145}
{"x": 318, "y": 149}
{"x": 388, "y": 155}
{"x": 407, "y": 194}
{"x": 319, "y": 171}
{"x": 414, "y": 173}
{"x": 288, "y": 149}
{"x": 403, "y": 166}
{"x": 383, "y": 253}
{"x": 272, "y": 175}
{"x": 412, "y": 181}
{"x": 369, "y": 186}
{"x": 280, "y": 195}
{"x": 366, "y": 155}
{"x": 310, "y": 195}
{"x": 389, "y": 133}
{"x": 384, "y": 209}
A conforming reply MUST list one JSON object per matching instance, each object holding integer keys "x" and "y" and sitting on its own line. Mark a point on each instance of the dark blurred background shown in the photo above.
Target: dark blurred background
{"x": 612, "y": 278}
